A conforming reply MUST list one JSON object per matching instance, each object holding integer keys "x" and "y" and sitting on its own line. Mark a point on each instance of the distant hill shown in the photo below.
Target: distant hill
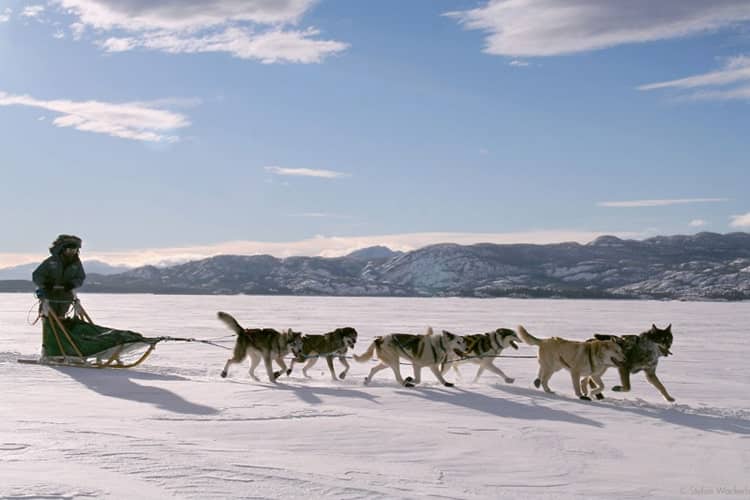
{"x": 705, "y": 266}
{"x": 23, "y": 272}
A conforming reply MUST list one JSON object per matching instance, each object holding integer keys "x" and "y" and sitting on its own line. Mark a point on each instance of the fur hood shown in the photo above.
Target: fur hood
{"x": 63, "y": 240}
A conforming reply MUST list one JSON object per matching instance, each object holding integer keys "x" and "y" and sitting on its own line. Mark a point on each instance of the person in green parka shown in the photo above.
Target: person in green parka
{"x": 60, "y": 273}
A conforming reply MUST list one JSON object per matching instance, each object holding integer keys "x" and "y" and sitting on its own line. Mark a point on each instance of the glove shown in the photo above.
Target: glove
{"x": 40, "y": 293}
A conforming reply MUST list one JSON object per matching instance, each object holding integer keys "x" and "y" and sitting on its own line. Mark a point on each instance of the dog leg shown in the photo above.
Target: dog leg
{"x": 439, "y": 376}
{"x": 269, "y": 368}
{"x": 397, "y": 373}
{"x": 417, "y": 375}
{"x": 226, "y": 367}
{"x": 309, "y": 364}
{"x": 282, "y": 364}
{"x": 375, "y": 369}
{"x": 329, "y": 361}
{"x": 651, "y": 377}
{"x": 543, "y": 379}
{"x": 584, "y": 385}
{"x": 344, "y": 362}
{"x": 488, "y": 364}
{"x": 576, "y": 378}
{"x": 254, "y": 362}
{"x": 624, "y": 380}
{"x": 597, "y": 385}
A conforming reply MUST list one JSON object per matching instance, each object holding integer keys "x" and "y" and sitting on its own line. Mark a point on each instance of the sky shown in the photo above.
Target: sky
{"x": 161, "y": 131}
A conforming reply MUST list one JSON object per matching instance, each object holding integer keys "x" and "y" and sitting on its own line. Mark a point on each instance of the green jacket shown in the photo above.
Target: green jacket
{"x": 58, "y": 279}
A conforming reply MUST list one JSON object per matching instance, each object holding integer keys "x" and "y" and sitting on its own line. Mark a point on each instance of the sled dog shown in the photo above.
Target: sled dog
{"x": 329, "y": 345}
{"x": 642, "y": 352}
{"x": 583, "y": 360}
{"x": 482, "y": 349}
{"x": 422, "y": 350}
{"x": 261, "y": 343}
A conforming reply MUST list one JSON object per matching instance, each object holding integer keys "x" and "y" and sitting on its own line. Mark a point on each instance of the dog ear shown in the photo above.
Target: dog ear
{"x": 669, "y": 328}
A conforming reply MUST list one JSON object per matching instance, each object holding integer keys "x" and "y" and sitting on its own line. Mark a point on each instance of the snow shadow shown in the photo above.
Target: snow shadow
{"x": 121, "y": 385}
{"x": 680, "y": 415}
{"x": 498, "y": 407}
{"x": 685, "y": 416}
{"x": 311, "y": 394}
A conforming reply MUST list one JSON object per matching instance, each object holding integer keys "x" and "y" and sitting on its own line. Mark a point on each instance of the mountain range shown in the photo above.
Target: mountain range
{"x": 704, "y": 266}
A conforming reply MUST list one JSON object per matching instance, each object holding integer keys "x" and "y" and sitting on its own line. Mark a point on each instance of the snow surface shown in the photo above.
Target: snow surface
{"x": 173, "y": 428}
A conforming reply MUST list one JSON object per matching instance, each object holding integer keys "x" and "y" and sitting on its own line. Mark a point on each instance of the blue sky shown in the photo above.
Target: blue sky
{"x": 161, "y": 130}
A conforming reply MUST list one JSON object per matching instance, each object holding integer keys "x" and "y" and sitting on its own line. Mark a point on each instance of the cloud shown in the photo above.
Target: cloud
{"x": 306, "y": 172}
{"x": 320, "y": 246}
{"x": 532, "y": 28}
{"x": 697, "y": 223}
{"x": 246, "y": 29}
{"x": 658, "y": 203}
{"x": 5, "y": 15}
{"x": 740, "y": 220}
{"x": 136, "y": 121}
{"x": 735, "y": 74}
{"x": 32, "y": 11}
{"x": 518, "y": 63}
{"x": 268, "y": 48}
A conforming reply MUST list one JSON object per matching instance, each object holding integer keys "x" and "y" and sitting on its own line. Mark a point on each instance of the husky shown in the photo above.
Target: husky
{"x": 584, "y": 360}
{"x": 422, "y": 350}
{"x": 642, "y": 352}
{"x": 261, "y": 343}
{"x": 328, "y": 345}
{"x": 481, "y": 349}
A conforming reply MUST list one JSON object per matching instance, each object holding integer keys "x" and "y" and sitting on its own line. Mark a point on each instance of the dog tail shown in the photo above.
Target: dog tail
{"x": 229, "y": 320}
{"x": 367, "y": 355}
{"x": 527, "y": 337}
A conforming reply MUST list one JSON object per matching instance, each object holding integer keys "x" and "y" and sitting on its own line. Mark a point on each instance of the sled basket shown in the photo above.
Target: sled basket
{"x": 77, "y": 341}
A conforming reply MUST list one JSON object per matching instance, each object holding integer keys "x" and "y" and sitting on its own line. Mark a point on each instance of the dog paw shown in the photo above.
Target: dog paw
{"x": 408, "y": 384}
{"x": 408, "y": 380}
{"x": 670, "y": 399}
{"x": 448, "y": 384}
{"x": 289, "y": 372}
{"x": 509, "y": 380}
{"x": 585, "y": 398}
{"x": 224, "y": 374}
{"x": 537, "y": 383}
{"x": 617, "y": 388}
{"x": 276, "y": 375}
{"x": 600, "y": 396}
{"x": 367, "y": 381}
{"x": 342, "y": 376}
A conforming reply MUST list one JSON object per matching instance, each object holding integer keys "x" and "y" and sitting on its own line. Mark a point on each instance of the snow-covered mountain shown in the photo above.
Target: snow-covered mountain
{"x": 23, "y": 272}
{"x": 704, "y": 266}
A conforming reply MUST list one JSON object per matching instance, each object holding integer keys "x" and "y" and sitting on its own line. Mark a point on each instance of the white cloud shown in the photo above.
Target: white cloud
{"x": 529, "y": 28}
{"x": 32, "y": 11}
{"x": 740, "y": 220}
{"x": 736, "y": 71}
{"x": 136, "y": 121}
{"x": 322, "y": 246}
{"x": 5, "y": 15}
{"x": 247, "y": 29}
{"x": 697, "y": 223}
{"x": 305, "y": 172}
{"x": 518, "y": 63}
{"x": 658, "y": 203}
{"x": 268, "y": 48}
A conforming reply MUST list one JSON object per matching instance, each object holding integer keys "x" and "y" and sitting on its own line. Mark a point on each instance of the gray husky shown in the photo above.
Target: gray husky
{"x": 261, "y": 343}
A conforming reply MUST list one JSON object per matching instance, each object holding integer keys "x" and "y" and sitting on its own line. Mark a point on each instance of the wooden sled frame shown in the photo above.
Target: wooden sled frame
{"x": 92, "y": 361}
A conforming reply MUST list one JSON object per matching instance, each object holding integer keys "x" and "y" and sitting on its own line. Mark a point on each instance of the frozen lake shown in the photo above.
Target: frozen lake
{"x": 173, "y": 428}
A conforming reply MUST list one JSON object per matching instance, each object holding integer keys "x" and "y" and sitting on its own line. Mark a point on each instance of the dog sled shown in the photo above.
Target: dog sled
{"x": 75, "y": 340}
